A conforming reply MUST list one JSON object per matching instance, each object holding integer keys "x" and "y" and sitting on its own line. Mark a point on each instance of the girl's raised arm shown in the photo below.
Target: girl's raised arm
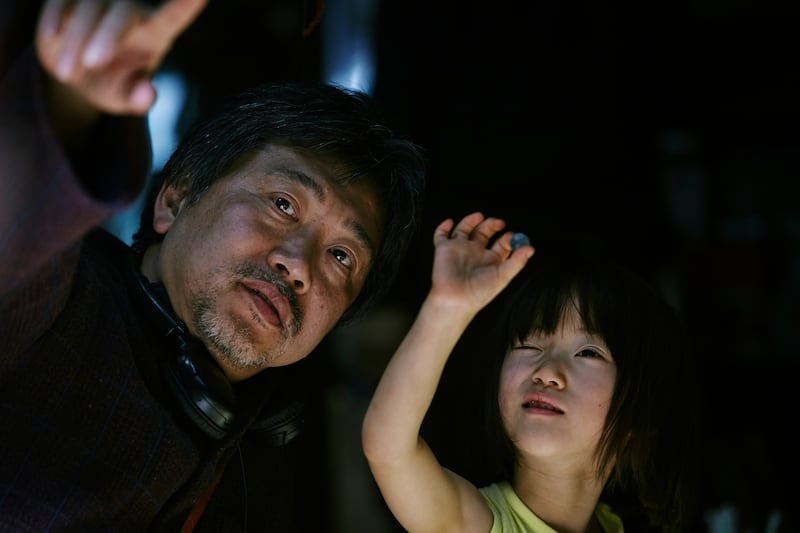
{"x": 468, "y": 272}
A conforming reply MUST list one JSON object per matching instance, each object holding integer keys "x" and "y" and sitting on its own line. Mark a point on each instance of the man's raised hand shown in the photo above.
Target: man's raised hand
{"x": 107, "y": 51}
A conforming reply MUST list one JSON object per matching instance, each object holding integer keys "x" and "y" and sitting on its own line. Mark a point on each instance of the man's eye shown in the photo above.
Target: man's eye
{"x": 285, "y": 205}
{"x": 589, "y": 352}
{"x": 342, "y": 257}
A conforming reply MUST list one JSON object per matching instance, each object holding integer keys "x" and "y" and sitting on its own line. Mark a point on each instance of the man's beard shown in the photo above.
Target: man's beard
{"x": 219, "y": 332}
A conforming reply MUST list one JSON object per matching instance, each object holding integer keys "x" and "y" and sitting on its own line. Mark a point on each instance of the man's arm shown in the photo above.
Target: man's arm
{"x": 73, "y": 140}
{"x": 101, "y": 56}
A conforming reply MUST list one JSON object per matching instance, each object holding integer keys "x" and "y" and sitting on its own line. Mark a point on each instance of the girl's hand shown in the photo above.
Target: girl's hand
{"x": 466, "y": 269}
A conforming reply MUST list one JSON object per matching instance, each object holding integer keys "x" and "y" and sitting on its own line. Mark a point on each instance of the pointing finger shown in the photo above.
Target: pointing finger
{"x": 77, "y": 31}
{"x": 109, "y": 32}
{"x": 174, "y": 16}
{"x": 50, "y": 18}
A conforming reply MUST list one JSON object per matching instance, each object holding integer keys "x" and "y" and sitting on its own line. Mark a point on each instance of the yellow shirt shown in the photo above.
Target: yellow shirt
{"x": 511, "y": 515}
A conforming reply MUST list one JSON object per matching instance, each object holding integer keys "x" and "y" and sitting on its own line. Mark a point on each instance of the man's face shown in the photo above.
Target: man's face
{"x": 264, "y": 264}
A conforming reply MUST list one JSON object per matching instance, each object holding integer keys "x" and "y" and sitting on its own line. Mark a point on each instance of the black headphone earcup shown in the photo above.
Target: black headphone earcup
{"x": 202, "y": 391}
{"x": 278, "y": 427}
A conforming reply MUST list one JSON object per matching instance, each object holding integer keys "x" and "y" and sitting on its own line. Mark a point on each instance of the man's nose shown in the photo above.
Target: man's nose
{"x": 292, "y": 260}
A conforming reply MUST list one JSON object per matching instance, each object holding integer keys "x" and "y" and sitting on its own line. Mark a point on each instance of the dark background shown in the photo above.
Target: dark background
{"x": 663, "y": 132}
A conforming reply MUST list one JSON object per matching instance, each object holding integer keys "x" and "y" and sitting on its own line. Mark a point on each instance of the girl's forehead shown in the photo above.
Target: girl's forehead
{"x": 570, "y": 318}
{"x": 569, "y": 322}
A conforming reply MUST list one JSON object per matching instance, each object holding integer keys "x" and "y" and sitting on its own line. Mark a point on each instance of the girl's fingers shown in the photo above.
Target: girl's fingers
{"x": 466, "y": 225}
{"x": 487, "y": 229}
{"x": 510, "y": 242}
{"x": 475, "y": 227}
{"x": 442, "y": 231}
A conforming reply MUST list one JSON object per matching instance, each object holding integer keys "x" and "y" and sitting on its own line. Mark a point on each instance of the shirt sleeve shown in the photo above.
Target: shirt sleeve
{"x": 47, "y": 202}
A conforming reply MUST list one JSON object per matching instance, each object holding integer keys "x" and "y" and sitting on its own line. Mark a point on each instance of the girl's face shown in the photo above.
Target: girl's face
{"x": 555, "y": 391}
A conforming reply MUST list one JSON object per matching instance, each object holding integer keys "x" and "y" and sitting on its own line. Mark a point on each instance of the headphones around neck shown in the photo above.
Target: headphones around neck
{"x": 200, "y": 388}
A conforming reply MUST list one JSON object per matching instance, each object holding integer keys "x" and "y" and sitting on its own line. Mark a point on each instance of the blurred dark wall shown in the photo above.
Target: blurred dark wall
{"x": 666, "y": 133}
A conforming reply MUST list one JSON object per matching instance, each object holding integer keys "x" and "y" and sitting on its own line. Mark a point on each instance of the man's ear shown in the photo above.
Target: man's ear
{"x": 168, "y": 204}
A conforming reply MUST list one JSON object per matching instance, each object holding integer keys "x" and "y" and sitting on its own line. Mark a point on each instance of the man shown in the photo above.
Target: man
{"x": 130, "y": 375}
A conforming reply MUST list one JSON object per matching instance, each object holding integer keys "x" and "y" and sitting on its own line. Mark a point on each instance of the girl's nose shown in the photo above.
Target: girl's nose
{"x": 548, "y": 373}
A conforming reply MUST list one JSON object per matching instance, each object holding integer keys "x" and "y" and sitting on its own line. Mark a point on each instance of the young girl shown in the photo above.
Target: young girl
{"x": 590, "y": 389}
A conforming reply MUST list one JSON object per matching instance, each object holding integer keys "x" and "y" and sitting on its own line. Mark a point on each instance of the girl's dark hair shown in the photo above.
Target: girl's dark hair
{"x": 339, "y": 127}
{"x": 652, "y": 420}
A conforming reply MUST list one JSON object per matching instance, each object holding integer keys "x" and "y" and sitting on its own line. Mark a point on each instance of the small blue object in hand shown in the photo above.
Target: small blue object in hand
{"x": 519, "y": 239}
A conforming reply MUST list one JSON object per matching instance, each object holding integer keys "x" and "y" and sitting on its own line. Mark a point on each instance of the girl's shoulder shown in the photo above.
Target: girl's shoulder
{"x": 511, "y": 515}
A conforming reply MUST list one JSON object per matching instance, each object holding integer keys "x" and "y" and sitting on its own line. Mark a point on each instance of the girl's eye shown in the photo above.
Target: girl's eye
{"x": 342, "y": 257}
{"x": 285, "y": 205}
{"x": 589, "y": 352}
{"x": 525, "y": 347}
